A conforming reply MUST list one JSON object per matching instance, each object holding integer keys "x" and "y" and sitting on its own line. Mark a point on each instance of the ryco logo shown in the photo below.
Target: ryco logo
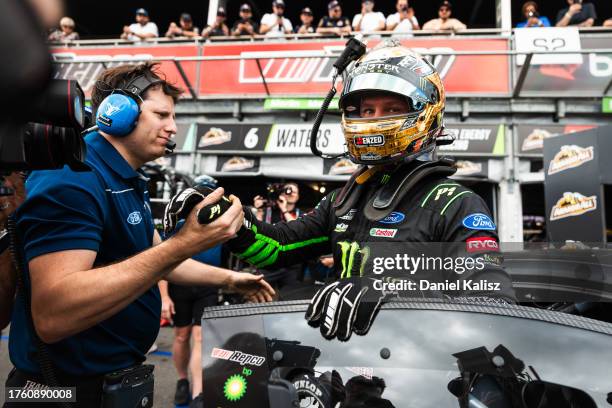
{"x": 134, "y": 218}
{"x": 479, "y": 244}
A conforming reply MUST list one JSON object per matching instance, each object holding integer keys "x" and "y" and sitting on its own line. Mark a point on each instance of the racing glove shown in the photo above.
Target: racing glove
{"x": 343, "y": 307}
{"x": 182, "y": 203}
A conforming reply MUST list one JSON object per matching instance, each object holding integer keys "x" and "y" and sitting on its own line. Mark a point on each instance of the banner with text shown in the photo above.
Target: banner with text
{"x": 286, "y": 75}
{"x": 294, "y": 139}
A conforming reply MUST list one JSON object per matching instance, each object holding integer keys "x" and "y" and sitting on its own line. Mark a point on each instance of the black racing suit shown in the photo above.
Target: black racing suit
{"x": 436, "y": 210}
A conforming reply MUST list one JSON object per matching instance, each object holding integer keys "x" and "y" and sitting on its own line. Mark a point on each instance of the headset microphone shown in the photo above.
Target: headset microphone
{"x": 170, "y": 146}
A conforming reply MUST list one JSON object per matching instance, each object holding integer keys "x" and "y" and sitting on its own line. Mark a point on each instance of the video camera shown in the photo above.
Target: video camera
{"x": 41, "y": 119}
{"x": 49, "y": 135}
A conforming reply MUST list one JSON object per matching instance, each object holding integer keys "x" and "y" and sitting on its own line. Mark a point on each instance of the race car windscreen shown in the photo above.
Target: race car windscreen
{"x": 413, "y": 353}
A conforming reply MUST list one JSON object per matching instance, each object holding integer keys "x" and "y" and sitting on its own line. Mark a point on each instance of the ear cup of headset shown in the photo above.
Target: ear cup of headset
{"x": 117, "y": 114}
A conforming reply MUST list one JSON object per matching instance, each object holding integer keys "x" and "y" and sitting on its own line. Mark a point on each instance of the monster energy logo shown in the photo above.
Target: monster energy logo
{"x": 353, "y": 257}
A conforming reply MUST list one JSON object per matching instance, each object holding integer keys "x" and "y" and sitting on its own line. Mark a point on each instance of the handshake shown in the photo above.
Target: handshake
{"x": 182, "y": 204}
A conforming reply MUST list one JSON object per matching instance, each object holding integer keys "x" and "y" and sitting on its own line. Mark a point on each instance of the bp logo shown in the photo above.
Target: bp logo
{"x": 235, "y": 387}
{"x": 134, "y": 218}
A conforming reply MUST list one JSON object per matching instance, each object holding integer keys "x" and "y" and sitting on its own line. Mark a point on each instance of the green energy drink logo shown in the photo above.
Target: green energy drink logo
{"x": 353, "y": 258}
{"x": 235, "y": 387}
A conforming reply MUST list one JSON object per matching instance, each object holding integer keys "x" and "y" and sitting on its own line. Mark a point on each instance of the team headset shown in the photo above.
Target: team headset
{"x": 118, "y": 113}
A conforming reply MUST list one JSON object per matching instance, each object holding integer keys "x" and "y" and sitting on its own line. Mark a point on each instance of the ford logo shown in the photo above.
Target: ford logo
{"x": 134, "y": 218}
{"x": 479, "y": 221}
{"x": 393, "y": 218}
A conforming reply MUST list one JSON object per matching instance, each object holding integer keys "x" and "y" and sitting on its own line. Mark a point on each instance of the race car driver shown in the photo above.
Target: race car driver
{"x": 392, "y": 107}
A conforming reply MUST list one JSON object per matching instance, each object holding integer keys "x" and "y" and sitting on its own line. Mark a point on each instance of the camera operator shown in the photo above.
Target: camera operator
{"x": 92, "y": 258}
{"x": 281, "y": 205}
{"x": 282, "y": 208}
{"x": 8, "y": 280}
{"x": 532, "y": 17}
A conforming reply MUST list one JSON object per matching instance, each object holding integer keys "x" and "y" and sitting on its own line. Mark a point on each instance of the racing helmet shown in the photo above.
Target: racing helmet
{"x": 391, "y": 69}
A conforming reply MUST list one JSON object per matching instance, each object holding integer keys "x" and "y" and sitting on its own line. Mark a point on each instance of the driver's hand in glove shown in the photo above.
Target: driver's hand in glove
{"x": 181, "y": 205}
{"x": 343, "y": 307}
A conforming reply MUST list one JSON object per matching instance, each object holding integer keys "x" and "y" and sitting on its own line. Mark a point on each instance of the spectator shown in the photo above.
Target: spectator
{"x": 66, "y": 31}
{"x": 284, "y": 209}
{"x": 368, "y": 20}
{"x": 306, "y": 18}
{"x": 404, "y": 21}
{"x": 142, "y": 29}
{"x": 577, "y": 14}
{"x": 245, "y": 25}
{"x": 219, "y": 28}
{"x": 607, "y": 23}
{"x": 274, "y": 24}
{"x": 532, "y": 17}
{"x": 185, "y": 28}
{"x": 334, "y": 22}
{"x": 444, "y": 22}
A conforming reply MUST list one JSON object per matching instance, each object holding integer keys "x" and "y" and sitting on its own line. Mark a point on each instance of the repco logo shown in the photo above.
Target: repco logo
{"x": 237, "y": 357}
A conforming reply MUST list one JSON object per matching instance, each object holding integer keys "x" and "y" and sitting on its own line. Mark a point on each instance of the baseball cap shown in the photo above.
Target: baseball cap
{"x": 306, "y": 10}
{"x": 221, "y": 11}
{"x": 279, "y": 3}
{"x": 186, "y": 17}
{"x": 446, "y": 3}
{"x": 245, "y": 7}
{"x": 332, "y": 4}
{"x": 367, "y": 1}
{"x": 142, "y": 12}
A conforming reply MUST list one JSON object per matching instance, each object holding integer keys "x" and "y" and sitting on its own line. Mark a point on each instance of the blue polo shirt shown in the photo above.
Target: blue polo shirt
{"x": 105, "y": 210}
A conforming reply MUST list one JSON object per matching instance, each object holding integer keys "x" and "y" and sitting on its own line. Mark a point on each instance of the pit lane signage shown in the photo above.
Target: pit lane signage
{"x": 530, "y": 138}
{"x": 588, "y": 78}
{"x": 479, "y": 140}
{"x": 570, "y": 156}
{"x": 573, "y": 204}
{"x": 298, "y": 104}
{"x": 294, "y": 139}
{"x": 606, "y": 105}
{"x": 575, "y": 170}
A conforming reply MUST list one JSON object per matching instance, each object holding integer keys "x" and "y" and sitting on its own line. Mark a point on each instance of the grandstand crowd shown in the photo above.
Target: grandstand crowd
{"x": 276, "y": 24}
